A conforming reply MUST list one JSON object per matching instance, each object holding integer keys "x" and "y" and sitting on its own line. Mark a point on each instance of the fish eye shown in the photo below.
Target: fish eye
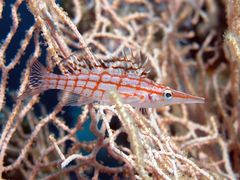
{"x": 167, "y": 94}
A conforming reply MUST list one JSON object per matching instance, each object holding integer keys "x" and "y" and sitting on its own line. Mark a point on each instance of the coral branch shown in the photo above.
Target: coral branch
{"x": 190, "y": 46}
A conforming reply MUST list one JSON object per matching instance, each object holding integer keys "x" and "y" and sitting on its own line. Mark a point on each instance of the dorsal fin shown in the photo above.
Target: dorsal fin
{"x": 77, "y": 63}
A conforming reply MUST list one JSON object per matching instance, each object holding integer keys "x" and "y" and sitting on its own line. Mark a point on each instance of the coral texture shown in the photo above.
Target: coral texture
{"x": 191, "y": 45}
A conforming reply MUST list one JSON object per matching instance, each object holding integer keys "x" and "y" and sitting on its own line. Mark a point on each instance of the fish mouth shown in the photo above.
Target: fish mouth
{"x": 185, "y": 98}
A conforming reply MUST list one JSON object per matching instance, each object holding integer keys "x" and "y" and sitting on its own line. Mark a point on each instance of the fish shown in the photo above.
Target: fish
{"x": 88, "y": 83}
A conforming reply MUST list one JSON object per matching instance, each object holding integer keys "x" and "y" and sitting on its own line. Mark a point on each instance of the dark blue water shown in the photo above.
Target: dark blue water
{"x": 49, "y": 98}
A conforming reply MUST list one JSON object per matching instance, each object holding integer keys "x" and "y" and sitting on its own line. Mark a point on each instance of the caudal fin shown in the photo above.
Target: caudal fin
{"x": 36, "y": 83}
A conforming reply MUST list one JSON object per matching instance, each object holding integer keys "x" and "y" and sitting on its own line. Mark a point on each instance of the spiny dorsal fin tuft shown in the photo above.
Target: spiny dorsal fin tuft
{"x": 134, "y": 64}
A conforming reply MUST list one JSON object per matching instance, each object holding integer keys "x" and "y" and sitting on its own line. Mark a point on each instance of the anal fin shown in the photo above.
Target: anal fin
{"x": 73, "y": 99}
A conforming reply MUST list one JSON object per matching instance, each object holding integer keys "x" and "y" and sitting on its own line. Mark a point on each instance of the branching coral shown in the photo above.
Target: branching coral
{"x": 183, "y": 40}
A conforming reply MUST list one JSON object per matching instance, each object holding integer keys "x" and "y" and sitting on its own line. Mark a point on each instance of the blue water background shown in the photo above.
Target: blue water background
{"x": 49, "y": 98}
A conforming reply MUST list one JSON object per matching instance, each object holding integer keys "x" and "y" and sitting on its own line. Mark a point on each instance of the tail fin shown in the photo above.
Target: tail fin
{"x": 36, "y": 83}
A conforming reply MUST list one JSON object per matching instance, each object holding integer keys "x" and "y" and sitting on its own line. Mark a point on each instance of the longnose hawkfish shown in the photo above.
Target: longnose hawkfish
{"x": 89, "y": 83}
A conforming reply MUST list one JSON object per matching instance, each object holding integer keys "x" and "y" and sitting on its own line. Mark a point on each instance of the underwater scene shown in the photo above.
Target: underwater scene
{"x": 123, "y": 89}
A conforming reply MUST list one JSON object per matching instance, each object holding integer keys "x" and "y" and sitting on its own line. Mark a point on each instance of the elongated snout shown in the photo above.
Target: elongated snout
{"x": 184, "y": 98}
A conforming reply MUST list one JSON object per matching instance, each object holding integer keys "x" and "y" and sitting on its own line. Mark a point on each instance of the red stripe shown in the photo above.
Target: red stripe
{"x": 138, "y": 87}
{"x": 57, "y": 80}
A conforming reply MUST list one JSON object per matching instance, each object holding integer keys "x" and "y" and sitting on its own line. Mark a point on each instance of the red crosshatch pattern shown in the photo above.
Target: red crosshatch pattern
{"x": 94, "y": 85}
{"x": 102, "y": 82}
